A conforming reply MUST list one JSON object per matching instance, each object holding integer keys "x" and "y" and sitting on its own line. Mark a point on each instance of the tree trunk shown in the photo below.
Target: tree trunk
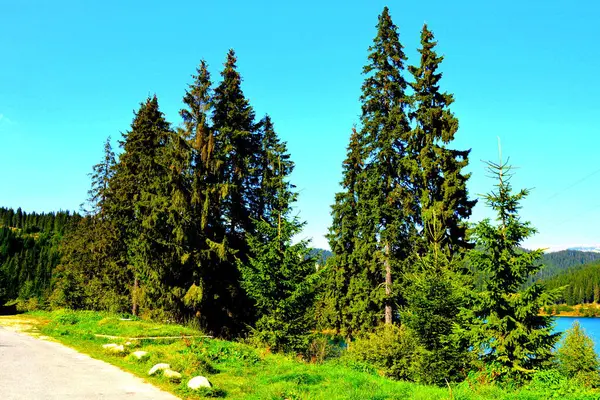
{"x": 388, "y": 286}
{"x": 134, "y": 309}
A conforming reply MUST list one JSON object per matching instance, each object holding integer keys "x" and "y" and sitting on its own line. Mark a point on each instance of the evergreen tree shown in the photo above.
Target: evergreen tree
{"x": 437, "y": 294}
{"x": 442, "y": 184}
{"x": 235, "y": 151}
{"x": 142, "y": 199}
{"x": 386, "y": 211}
{"x": 233, "y": 119}
{"x": 439, "y": 286}
{"x": 341, "y": 268}
{"x": 209, "y": 190}
{"x": 511, "y": 333}
{"x": 577, "y": 357}
{"x": 279, "y": 275}
{"x": 101, "y": 176}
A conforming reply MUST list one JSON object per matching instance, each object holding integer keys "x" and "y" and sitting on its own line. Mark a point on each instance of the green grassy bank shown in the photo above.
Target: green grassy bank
{"x": 239, "y": 371}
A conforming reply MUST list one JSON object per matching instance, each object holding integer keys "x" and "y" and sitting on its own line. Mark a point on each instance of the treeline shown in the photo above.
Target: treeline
{"x": 559, "y": 261}
{"x": 579, "y": 285}
{"x": 195, "y": 222}
{"x": 29, "y": 251}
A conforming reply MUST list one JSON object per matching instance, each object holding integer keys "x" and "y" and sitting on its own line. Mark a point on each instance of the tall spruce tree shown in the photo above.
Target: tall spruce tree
{"x": 341, "y": 269}
{"x": 141, "y": 204}
{"x": 208, "y": 216}
{"x": 101, "y": 176}
{"x": 279, "y": 275}
{"x": 236, "y": 146}
{"x": 438, "y": 287}
{"x": 441, "y": 182}
{"x": 93, "y": 273}
{"x": 511, "y": 333}
{"x": 386, "y": 210}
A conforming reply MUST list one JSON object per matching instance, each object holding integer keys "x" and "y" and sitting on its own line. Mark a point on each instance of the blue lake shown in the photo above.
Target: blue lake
{"x": 590, "y": 325}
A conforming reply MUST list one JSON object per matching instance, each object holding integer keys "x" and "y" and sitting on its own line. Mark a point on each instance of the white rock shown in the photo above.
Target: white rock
{"x": 158, "y": 367}
{"x": 139, "y": 354}
{"x": 128, "y": 343}
{"x": 172, "y": 375}
{"x": 197, "y": 382}
{"x": 114, "y": 348}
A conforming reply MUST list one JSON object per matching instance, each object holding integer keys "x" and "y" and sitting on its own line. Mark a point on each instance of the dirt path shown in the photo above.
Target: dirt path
{"x": 31, "y": 368}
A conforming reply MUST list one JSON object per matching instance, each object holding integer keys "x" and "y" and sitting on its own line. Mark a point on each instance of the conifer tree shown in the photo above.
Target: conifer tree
{"x": 341, "y": 269}
{"x": 511, "y": 333}
{"x": 233, "y": 119}
{"x": 101, "y": 175}
{"x": 438, "y": 288}
{"x": 142, "y": 202}
{"x": 437, "y": 293}
{"x": 279, "y": 275}
{"x": 235, "y": 149}
{"x": 441, "y": 183}
{"x": 577, "y": 357}
{"x": 386, "y": 210}
{"x": 212, "y": 255}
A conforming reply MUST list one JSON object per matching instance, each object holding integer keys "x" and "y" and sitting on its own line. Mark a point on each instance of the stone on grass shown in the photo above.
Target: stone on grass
{"x": 197, "y": 382}
{"x": 114, "y": 348}
{"x": 140, "y": 354}
{"x": 172, "y": 375}
{"x": 158, "y": 367}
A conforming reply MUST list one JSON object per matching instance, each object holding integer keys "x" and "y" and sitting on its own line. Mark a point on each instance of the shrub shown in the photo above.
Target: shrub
{"x": 322, "y": 348}
{"x": 391, "y": 349}
{"x": 577, "y": 357}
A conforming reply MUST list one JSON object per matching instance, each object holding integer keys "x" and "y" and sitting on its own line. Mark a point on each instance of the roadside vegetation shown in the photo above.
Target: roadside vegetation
{"x": 241, "y": 371}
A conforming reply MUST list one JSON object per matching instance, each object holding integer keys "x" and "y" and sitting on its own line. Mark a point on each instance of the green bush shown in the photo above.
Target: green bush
{"x": 391, "y": 349}
{"x": 322, "y": 348}
{"x": 577, "y": 358}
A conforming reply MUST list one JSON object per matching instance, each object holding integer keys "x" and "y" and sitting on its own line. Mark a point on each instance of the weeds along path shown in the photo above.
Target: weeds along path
{"x": 33, "y": 368}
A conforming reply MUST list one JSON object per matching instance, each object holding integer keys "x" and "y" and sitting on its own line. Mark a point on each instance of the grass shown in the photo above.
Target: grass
{"x": 239, "y": 371}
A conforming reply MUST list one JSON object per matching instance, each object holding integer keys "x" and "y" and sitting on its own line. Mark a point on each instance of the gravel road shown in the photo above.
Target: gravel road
{"x": 31, "y": 368}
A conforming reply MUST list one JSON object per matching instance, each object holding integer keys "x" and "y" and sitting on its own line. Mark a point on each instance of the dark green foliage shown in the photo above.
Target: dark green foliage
{"x": 140, "y": 206}
{"x": 341, "y": 297}
{"x": 29, "y": 251}
{"x": 374, "y": 214}
{"x": 437, "y": 293}
{"x": 91, "y": 276}
{"x": 439, "y": 286}
{"x": 577, "y": 357}
{"x": 440, "y": 182}
{"x": 561, "y": 261}
{"x": 279, "y": 275}
{"x": 580, "y": 284}
{"x": 510, "y": 332}
{"x": 279, "y": 278}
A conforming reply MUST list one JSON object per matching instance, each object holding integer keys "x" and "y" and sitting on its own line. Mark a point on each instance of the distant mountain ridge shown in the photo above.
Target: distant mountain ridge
{"x": 591, "y": 249}
{"x": 561, "y": 261}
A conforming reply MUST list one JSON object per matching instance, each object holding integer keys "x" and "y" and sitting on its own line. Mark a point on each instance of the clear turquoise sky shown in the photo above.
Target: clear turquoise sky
{"x": 72, "y": 72}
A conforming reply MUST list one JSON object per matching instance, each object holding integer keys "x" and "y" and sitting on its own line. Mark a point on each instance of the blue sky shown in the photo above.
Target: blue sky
{"x": 72, "y": 72}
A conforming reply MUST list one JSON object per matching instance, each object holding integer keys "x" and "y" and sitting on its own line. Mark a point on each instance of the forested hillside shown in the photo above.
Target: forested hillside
{"x": 581, "y": 284}
{"x": 560, "y": 261}
{"x": 29, "y": 251}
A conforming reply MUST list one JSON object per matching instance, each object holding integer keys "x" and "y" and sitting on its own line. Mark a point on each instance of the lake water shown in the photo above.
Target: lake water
{"x": 590, "y": 325}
